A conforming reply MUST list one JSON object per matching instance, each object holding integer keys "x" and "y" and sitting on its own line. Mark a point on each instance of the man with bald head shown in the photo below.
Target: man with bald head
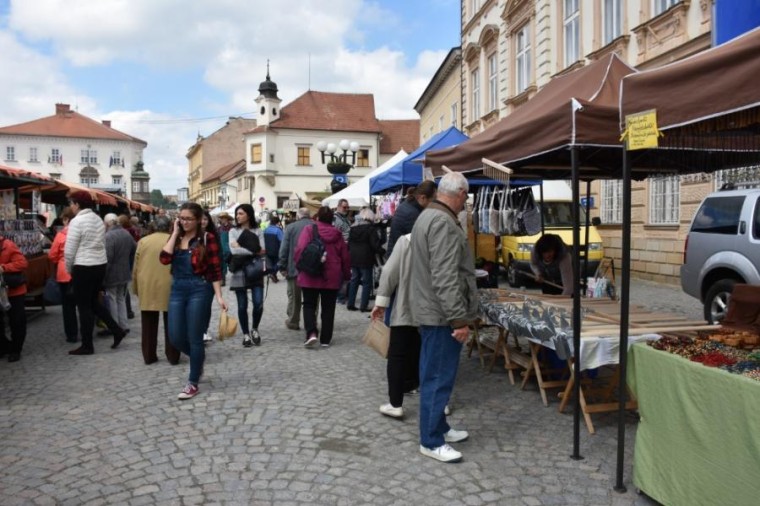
{"x": 288, "y": 267}
{"x": 120, "y": 250}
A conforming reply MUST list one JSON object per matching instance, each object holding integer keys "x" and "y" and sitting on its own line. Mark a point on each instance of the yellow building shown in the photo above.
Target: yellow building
{"x": 439, "y": 105}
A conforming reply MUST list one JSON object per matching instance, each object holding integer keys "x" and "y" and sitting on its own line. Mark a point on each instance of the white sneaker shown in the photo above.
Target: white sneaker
{"x": 247, "y": 342}
{"x": 310, "y": 341}
{"x": 455, "y": 436}
{"x": 207, "y": 338}
{"x": 389, "y": 410}
{"x": 443, "y": 453}
{"x": 446, "y": 410}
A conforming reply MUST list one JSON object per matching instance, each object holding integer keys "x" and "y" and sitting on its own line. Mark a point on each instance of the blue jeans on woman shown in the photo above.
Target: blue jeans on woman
{"x": 439, "y": 361}
{"x": 188, "y": 306}
{"x": 257, "y": 297}
{"x": 363, "y": 276}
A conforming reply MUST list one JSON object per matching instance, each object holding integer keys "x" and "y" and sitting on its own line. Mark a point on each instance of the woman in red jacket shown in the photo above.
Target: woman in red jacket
{"x": 324, "y": 288}
{"x": 12, "y": 266}
{"x": 62, "y": 276}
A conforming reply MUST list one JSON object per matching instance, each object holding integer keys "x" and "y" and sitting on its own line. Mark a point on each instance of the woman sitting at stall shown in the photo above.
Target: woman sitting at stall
{"x": 552, "y": 265}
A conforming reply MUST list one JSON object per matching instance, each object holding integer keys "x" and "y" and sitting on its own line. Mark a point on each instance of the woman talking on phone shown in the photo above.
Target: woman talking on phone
{"x": 196, "y": 277}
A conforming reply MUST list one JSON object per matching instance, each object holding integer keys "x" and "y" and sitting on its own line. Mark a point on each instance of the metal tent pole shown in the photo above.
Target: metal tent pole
{"x": 576, "y": 307}
{"x": 624, "y": 315}
{"x": 588, "y": 225}
{"x": 541, "y": 194}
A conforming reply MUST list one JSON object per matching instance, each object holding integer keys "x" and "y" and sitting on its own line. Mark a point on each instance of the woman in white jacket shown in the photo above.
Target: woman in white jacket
{"x": 86, "y": 260}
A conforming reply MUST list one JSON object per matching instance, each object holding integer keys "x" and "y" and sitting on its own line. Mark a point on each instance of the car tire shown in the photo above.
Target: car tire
{"x": 512, "y": 275}
{"x": 716, "y": 300}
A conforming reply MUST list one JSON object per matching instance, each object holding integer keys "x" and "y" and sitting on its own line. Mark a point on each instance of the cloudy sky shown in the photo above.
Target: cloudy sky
{"x": 167, "y": 70}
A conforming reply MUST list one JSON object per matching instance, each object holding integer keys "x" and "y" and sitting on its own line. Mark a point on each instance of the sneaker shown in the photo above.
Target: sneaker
{"x": 414, "y": 391}
{"x": 310, "y": 341}
{"x": 325, "y": 345}
{"x": 443, "y": 453}
{"x": 389, "y": 410}
{"x": 247, "y": 341}
{"x": 256, "y": 337}
{"x": 446, "y": 410}
{"x": 455, "y": 436}
{"x": 207, "y": 337}
{"x": 188, "y": 392}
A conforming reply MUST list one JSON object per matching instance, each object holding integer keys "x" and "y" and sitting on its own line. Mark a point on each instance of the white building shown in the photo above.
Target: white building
{"x": 71, "y": 147}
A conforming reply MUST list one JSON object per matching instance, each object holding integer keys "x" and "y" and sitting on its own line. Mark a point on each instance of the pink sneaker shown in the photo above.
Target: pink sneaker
{"x": 188, "y": 392}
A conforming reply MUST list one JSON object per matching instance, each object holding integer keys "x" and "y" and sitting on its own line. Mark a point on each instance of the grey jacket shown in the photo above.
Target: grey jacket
{"x": 288, "y": 246}
{"x": 442, "y": 270}
{"x": 120, "y": 250}
{"x": 395, "y": 277}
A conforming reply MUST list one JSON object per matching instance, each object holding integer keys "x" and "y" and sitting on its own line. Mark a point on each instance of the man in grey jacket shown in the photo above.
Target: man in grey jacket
{"x": 288, "y": 267}
{"x": 445, "y": 295}
{"x": 120, "y": 251}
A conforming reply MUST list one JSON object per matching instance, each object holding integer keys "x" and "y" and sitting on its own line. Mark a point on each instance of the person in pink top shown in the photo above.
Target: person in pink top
{"x": 62, "y": 276}
{"x": 322, "y": 289}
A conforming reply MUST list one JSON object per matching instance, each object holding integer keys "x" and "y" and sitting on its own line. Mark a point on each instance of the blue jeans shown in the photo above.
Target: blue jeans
{"x": 257, "y": 296}
{"x": 188, "y": 305}
{"x": 363, "y": 276}
{"x": 439, "y": 361}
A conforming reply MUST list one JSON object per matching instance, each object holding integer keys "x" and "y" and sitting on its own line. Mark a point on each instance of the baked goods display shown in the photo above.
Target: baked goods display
{"x": 738, "y": 338}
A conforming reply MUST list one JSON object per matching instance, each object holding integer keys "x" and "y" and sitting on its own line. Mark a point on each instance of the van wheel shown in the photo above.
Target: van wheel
{"x": 512, "y": 275}
{"x": 716, "y": 300}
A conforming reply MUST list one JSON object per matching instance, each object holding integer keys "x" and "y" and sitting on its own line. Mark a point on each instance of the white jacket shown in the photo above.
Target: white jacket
{"x": 85, "y": 241}
{"x": 395, "y": 277}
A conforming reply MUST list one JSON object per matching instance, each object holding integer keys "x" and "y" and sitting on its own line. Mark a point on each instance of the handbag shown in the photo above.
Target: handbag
{"x": 227, "y": 326}
{"x": 378, "y": 337}
{"x": 529, "y": 217}
{"x": 51, "y": 293}
{"x": 494, "y": 216}
{"x": 255, "y": 270}
{"x": 14, "y": 279}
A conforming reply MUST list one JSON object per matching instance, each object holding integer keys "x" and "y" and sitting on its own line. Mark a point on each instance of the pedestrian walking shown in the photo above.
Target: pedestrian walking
{"x": 288, "y": 267}
{"x": 445, "y": 304}
{"x": 408, "y": 211}
{"x": 363, "y": 245}
{"x": 12, "y": 266}
{"x": 152, "y": 283}
{"x": 273, "y": 236}
{"x": 86, "y": 260}
{"x": 120, "y": 252}
{"x": 322, "y": 289}
{"x": 245, "y": 247}
{"x": 207, "y": 223}
{"x": 343, "y": 224}
{"x": 63, "y": 278}
{"x": 196, "y": 269}
{"x": 225, "y": 224}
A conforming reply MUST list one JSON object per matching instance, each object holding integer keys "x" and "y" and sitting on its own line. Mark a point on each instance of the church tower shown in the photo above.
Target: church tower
{"x": 268, "y": 102}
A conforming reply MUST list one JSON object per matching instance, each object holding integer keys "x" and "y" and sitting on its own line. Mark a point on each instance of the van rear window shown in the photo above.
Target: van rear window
{"x": 719, "y": 215}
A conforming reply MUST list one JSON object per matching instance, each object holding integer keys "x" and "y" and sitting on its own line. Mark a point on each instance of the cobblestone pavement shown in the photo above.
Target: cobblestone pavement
{"x": 278, "y": 424}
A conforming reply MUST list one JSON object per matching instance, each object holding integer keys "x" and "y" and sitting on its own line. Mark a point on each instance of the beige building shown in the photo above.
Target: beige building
{"x": 511, "y": 48}
{"x": 439, "y": 105}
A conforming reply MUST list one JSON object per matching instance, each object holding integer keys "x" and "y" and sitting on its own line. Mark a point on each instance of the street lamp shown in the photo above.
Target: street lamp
{"x": 339, "y": 164}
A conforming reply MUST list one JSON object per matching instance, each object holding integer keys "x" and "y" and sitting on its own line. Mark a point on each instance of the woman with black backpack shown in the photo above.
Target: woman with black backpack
{"x": 321, "y": 257}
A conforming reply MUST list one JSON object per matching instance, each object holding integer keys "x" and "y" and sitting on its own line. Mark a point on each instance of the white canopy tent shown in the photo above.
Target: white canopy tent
{"x": 357, "y": 193}
{"x": 218, "y": 210}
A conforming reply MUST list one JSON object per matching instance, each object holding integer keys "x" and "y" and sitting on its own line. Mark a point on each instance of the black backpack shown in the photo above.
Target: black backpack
{"x": 310, "y": 261}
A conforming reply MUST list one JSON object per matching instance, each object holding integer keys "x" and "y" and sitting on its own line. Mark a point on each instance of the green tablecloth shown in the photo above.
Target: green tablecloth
{"x": 698, "y": 441}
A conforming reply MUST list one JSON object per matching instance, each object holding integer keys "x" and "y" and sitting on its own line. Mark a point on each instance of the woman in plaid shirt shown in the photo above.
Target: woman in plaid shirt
{"x": 196, "y": 277}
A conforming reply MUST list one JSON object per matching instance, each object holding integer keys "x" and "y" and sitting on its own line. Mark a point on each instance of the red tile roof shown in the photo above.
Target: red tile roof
{"x": 223, "y": 173}
{"x": 68, "y": 123}
{"x": 319, "y": 110}
{"x": 399, "y": 134}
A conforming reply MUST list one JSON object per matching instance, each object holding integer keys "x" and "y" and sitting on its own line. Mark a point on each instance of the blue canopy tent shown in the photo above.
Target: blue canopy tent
{"x": 409, "y": 170}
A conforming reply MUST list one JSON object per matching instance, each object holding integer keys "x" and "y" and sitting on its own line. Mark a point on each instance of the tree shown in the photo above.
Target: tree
{"x": 157, "y": 198}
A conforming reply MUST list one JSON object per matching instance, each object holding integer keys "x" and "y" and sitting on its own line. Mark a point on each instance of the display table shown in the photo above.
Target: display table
{"x": 698, "y": 441}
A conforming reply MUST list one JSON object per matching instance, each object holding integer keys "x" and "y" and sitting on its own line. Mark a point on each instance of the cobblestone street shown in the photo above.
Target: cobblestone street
{"x": 278, "y": 424}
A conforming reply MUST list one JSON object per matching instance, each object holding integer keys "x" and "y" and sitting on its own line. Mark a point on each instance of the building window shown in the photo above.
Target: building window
{"x": 522, "y": 52}
{"x": 613, "y": 20}
{"x": 33, "y": 155}
{"x": 146, "y": 187}
{"x": 87, "y": 181}
{"x": 135, "y": 186}
{"x": 454, "y": 115}
{"x": 271, "y": 157}
{"x": 255, "y": 153}
{"x": 661, "y": 6}
{"x": 304, "y": 155}
{"x": 89, "y": 156}
{"x": 116, "y": 180}
{"x": 362, "y": 158}
{"x": 441, "y": 122}
{"x": 116, "y": 159}
{"x": 475, "y": 84}
{"x": 10, "y": 154}
{"x": 664, "y": 200}
{"x": 612, "y": 201}
{"x": 571, "y": 24}
{"x": 56, "y": 156}
{"x": 474, "y": 6}
{"x": 493, "y": 83}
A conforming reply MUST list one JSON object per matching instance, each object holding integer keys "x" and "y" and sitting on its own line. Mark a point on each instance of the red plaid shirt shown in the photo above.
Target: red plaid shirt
{"x": 210, "y": 266}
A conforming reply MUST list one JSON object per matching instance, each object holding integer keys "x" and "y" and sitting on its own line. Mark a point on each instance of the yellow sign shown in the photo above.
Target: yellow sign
{"x": 641, "y": 130}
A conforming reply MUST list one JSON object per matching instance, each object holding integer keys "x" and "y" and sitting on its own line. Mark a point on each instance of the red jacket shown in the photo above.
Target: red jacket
{"x": 56, "y": 256}
{"x": 11, "y": 260}
{"x": 338, "y": 263}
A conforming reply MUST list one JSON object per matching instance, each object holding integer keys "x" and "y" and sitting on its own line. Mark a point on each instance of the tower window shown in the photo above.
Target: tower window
{"x": 263, "y": 110}
{"x": 274, "y": 111}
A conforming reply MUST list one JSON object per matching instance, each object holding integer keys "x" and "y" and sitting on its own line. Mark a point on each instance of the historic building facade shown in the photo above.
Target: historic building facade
{"x": 440, "y": 105}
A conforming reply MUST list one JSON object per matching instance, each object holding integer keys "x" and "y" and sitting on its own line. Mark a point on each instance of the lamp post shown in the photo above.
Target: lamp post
{"x": 338, "y": 164}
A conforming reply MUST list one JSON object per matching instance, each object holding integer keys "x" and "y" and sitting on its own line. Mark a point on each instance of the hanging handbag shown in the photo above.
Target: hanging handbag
{"x": 494, "y": 216}
{"x": 255, "y": 270}
{"x": 51, "y": 293}
{"x": 476, "y": 211}
{"x": 484, "y": 229}
{"x": 530, "y": 217}
{"x": 503, "y": 225}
